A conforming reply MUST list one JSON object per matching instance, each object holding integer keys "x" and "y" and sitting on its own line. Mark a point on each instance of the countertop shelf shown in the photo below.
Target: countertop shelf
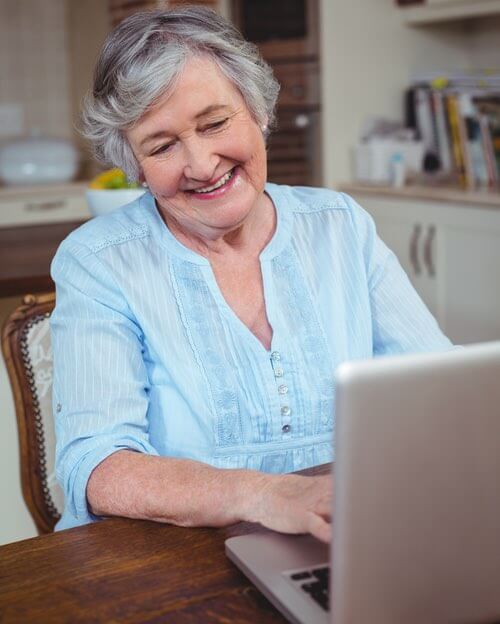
{"x": 486, "y": 199}
{"x": 43, "y": 204}
{"x": 35, "y": 190}
{"x": 450, "y": 11}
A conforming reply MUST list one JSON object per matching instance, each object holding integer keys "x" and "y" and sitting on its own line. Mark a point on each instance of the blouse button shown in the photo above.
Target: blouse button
{"x": 282, "y": 389}
{"x": 275, "y": 356}
{"x": 58, "y": 407}
{"x": 285, "y": 410}
{"x": 278, "y": 372}
{"x": 285, "y": 428}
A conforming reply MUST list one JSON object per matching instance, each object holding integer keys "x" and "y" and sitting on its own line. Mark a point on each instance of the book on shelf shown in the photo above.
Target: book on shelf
{"x": 460, "y": 127}
{"x": 489, "y": 151}
{"x": 488, "y": 108}
{"x": 456, "y": 138}
{"x": 475, "y": 150}
{"x": 442, "y": 133}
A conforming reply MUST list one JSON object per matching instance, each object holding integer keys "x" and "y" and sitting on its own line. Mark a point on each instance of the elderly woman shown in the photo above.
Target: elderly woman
{"x": 197, "y": 329}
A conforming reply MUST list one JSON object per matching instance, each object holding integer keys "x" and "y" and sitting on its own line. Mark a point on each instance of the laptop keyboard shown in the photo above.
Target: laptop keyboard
{"x": 315, "y": 582}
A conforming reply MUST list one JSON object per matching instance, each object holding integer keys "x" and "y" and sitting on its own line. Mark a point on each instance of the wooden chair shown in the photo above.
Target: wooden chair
{"x": 28, "y": 356}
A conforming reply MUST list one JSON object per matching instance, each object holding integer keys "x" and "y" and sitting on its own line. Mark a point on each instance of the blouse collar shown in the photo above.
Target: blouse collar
{"x": 278, "y": 241}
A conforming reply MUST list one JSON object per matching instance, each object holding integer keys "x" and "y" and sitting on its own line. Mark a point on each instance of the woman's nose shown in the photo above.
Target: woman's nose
{"x": 200, "y": 161}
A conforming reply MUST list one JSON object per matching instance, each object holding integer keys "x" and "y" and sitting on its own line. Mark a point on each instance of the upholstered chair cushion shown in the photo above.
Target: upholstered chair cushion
{"x": 38, "y": 357}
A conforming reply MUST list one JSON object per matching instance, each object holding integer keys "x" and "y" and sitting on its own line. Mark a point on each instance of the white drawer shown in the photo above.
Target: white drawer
{"x": 44, "y": 207}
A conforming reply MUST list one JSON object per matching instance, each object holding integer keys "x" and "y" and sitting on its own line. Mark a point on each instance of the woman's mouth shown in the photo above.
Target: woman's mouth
{"x": 222, "y": 184}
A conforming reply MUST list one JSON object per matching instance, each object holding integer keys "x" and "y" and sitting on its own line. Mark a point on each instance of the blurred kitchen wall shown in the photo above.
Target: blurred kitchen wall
{"x": 88, "y": 24}
{"x": 47, "y": 53}
{"x": 34, "y": 67}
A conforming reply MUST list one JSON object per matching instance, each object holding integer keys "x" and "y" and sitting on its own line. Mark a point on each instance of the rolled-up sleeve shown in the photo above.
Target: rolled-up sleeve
{"x": 100, "y": 390}
{"x": 401, "y": 322}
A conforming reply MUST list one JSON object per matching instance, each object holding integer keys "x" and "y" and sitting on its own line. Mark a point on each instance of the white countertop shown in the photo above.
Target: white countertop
{"x": 484, "y": 198}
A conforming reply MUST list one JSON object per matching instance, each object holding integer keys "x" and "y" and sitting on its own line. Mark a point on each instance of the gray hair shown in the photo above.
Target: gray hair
{"x": 143, "y": 57}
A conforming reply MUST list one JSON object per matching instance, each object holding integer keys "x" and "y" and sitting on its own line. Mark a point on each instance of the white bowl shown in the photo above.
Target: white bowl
{"x": 101, "y": 201}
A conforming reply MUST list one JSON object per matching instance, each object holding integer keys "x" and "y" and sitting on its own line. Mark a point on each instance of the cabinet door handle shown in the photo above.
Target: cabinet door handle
{"x": 428, "y": 259}
{"x": 44, "y": 206}
{"x": 417, "y": 230}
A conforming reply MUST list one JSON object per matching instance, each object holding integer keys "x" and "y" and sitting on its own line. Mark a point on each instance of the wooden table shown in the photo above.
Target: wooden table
{"x": 25, "y": 256}
{"x": 124, "y": 571}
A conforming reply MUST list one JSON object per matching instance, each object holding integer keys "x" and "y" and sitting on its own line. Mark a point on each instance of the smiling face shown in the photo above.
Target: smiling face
{"x": 202, "y": 154}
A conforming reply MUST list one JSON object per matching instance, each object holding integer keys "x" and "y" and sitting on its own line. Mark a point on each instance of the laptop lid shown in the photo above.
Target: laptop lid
{"x": 417, "y": 489}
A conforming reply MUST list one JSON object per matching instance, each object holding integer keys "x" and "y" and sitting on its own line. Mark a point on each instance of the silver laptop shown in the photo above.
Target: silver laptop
{"x": 417, "y": 500}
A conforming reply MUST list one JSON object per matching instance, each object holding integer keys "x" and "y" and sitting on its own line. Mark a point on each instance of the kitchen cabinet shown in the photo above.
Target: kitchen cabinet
{"x": 283, "y": 31}
{"x": 451, "y": 253}
{"x": 287, "y": 35}
{"x": 54, "y": 203}
{"x": 121, "y": 9}
{"x": 411, "y": 236}
{"x": 33, "y": 222}
{"x": 25, "y": 256}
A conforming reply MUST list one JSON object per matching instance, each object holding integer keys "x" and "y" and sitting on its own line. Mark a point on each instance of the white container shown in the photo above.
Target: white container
{"x": 372, "y": 160}
{"x": 102, "y": 201}
{"x": 38, "y": 160}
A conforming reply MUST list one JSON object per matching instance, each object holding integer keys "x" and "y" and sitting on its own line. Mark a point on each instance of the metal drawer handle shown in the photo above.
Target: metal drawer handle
{"x": 43, "y": 206}
{"x": 428, "y": 259}
{"x": 417, "y": 230}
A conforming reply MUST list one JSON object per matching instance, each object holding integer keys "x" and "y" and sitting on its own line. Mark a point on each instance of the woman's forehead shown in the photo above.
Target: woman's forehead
{"x": 201, "y": 82}
{"x": 201, "y": 90}
{"x": 199, "y": 85}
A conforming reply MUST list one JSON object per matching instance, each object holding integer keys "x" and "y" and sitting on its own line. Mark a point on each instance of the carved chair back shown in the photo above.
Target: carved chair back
{"x": 28, "y": 356}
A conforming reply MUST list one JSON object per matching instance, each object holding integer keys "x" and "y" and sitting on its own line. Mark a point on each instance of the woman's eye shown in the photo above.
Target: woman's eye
{"x": 162, "y": 149}
{"x": 215, "y": 125}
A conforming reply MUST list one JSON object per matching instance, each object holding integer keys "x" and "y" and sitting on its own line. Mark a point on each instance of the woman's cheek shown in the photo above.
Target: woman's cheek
{"x": 160, "y": 182}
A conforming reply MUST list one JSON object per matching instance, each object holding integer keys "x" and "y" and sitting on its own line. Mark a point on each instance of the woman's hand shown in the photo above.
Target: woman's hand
{"x": 294, "y": 504}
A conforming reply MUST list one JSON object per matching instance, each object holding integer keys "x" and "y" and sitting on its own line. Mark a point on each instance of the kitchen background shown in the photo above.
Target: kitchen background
{"x": 347, "y": 71}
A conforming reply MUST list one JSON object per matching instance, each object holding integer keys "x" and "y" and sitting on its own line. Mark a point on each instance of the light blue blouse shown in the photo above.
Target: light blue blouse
{"x": 149, "y": 356}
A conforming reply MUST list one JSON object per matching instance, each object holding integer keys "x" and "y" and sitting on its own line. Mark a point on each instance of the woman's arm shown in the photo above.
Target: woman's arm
{"x": 190, "y": 493}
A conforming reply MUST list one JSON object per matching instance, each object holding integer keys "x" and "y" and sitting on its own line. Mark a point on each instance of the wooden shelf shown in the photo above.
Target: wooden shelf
{"x": 486, "y": 199}
{"x": 459, "y": 10}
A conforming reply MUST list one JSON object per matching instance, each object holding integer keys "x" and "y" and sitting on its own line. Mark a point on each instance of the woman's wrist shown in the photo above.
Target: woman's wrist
{"x": 250, "y": 490}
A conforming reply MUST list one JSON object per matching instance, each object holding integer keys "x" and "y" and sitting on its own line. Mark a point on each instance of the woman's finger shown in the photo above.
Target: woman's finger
{"x": 323, "y": 508}
{"x": 319, "y": 528}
